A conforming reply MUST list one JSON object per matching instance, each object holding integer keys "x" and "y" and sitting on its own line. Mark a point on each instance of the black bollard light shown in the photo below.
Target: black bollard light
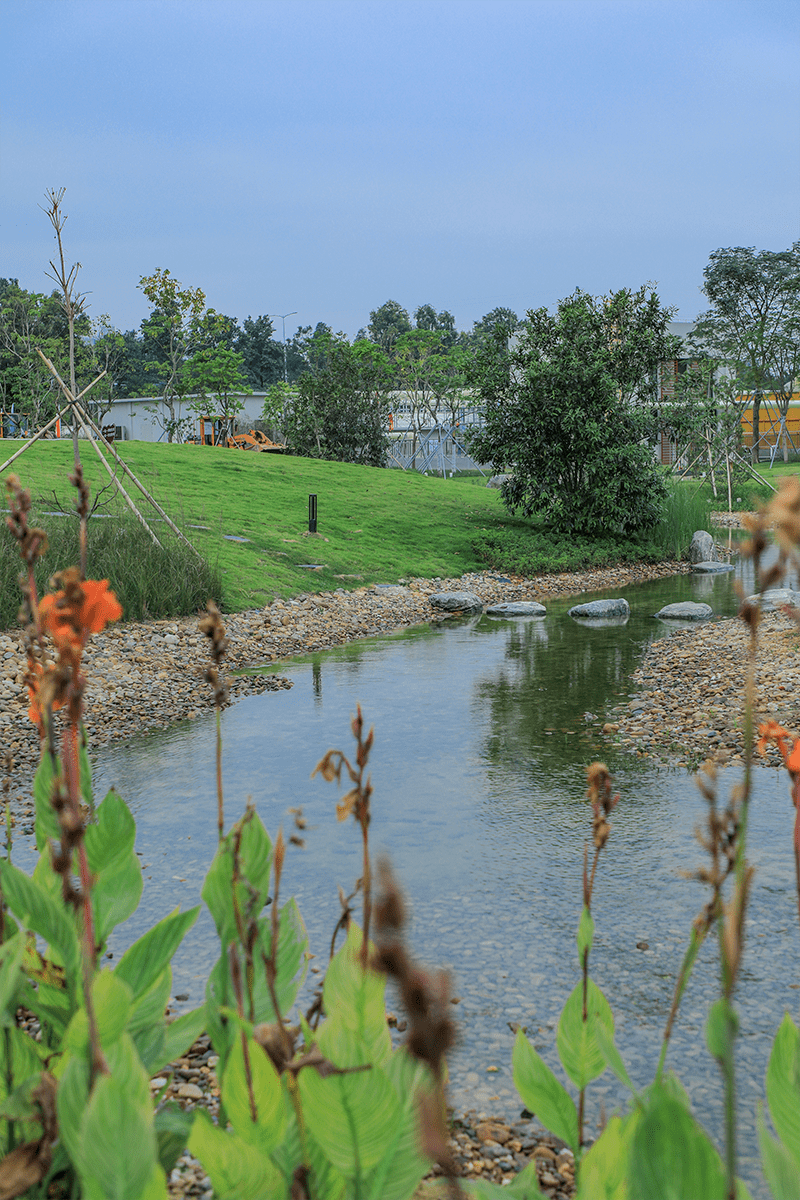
{"x": 312, "y": 514}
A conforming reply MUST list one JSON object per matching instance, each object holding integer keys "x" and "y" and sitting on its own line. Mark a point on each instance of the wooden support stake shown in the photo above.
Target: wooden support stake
{"x": 100, "y": 455}
{"x": 35, "y": 437}
{"x": 141, "y": 486}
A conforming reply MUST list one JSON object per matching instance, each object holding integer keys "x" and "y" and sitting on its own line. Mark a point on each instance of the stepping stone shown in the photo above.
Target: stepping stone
{"x": 466, "y": 602}
{"x": 517, "y": 608}
{"x": 688, "y": 610}
{"x": 774, "y": 598}
{"x": 595, "y": 610}
{"x": 234, "y": 537}
{"x": 712, "y": 568}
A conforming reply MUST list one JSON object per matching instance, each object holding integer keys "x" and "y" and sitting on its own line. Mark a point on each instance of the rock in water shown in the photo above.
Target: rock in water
{"x": 466, "y": 602}
{"x": 775, "y": 598}
{"x": 517, "y": 608}
{"x": 597, "y": 609}
{"x": 712, "y": 568}
{"x": 686, "y": 611}
{"x": 702, "y": 548}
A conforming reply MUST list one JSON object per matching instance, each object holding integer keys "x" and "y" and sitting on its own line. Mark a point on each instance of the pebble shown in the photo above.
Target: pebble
{"x": 691, "y": 691}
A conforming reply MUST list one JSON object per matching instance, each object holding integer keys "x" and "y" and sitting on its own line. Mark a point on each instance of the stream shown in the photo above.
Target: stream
{"x": 483, "y": 730}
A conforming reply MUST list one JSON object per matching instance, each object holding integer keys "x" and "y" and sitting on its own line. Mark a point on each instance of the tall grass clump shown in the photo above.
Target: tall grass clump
{"x": 150, "y": 581}
{"x": 686, "y": 510}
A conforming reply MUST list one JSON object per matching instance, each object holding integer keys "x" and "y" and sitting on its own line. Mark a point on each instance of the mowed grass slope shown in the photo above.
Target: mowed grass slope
{"x": 377, "y": 525}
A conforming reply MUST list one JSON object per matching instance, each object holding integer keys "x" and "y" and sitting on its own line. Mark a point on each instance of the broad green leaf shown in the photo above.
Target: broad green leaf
{"x": 38, "y": 911}
{"x": 181, "y": 1034}
{"x": 255, "y": 863}
{"x": 611, "y": 1054}
{"x": 25, "y": 1059}
{"x": 71, "y": 1098}
{"x": 671, "y": 1157}
{"x": 585, "y": 932}
{"x": 112, "y": 1002}
{"x": 144, "y": 961}
{"x": 115, "y": 895}
{"x": 403, "y": 1165}
{"x": 783, "y": 1085}
{"x": 781, "y": 1168}
{"x": 267, "y": 1129}
{"x": 542, "y": 1093}
{"x": 148, "y": 1009}
{"x": 46, "y": 820}
{"x": 112, "y": 837}
{"x": 351, "y": 1116}
{"x": 125, "y": 1065}
{"x": 355, "y": 1001}
{"x": 578, "y": 1048}
{"x": 604, "y": 1166}
{"x": 11, "y": 978}
{"x": 172, "y": 1125}
{"x": 118, "y": 1145}
{"x": 721, "y": 1028}
{"x": 238, "y": 1170}
{"x": 118, "y": 875}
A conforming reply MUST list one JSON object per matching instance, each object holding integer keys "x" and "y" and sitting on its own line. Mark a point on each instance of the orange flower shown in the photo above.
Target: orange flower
{"x": 78, "y": 609}
{"x": 793, "y": 761}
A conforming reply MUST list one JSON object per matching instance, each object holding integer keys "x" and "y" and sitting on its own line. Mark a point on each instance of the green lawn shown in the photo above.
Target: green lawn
{"x": 380, "y": 525}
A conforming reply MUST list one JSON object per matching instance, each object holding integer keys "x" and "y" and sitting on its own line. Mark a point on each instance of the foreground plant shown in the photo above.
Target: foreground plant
{"x": 75, "y": 1100}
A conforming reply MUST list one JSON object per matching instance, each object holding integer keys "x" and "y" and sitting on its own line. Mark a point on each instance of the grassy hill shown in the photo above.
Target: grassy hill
{"x": 373, "y": 525}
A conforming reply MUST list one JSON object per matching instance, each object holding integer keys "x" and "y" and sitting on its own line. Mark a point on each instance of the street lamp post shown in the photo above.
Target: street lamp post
{"x": 283, "y": 316}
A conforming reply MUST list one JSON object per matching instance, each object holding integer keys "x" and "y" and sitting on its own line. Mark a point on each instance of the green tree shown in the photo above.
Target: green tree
{"x": 340, "y": 410}
{"x": 179, "y": 326}
{"x": 387, "y": 324}
{"x": 568, "y": 409}
{"x": 216, "y": 377}
{"x": 31, "y": 321}
{"x": 753, "y": 324}
{"x": 262, "y": 356}
{"x": 430, "y": 371}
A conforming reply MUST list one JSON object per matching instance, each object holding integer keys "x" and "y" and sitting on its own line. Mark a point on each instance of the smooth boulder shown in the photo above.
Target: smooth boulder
{"x": 452, "y": 602}
{"x": 598, "y": 609}
{"x": 712, "y": 568}
{"x": 517, "y": 608}
{"x": 774, "y": 599}
{"x": 702, "y": 548}
{"x": 687, "y": 610}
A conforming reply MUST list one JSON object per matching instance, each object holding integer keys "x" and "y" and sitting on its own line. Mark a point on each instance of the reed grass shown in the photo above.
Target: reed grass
{"x": 150, "y": 582}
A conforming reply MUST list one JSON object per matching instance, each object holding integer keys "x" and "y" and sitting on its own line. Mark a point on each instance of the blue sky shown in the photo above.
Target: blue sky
{"x": 327, "y": 156}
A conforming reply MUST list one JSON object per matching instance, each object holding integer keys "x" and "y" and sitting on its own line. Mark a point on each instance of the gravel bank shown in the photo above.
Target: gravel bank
{"x": 149, "y": 675}
{"x": 692, "y": 684}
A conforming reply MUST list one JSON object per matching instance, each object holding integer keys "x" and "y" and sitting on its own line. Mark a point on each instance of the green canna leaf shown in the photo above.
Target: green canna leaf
{"x": 578, "y": 1048}
{"x": 542, "y": 1093}
{"x": 671, "y": 1158}
{"x": 783, "y": 1085}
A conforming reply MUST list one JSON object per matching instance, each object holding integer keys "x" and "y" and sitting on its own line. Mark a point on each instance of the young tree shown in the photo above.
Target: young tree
{"x": 431, "y": 372}
{"x": 179, "y": 326}
{"x": 754, "y": 320}
{"x": 216, "y": 376}
{"x": 341, "y": 411}
{"x": 568, "y": 410}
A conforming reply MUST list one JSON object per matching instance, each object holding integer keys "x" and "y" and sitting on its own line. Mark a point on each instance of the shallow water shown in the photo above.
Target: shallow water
{"x": 482, "y": 734}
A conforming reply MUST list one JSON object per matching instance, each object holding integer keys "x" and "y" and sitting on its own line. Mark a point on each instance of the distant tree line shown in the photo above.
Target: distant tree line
{"x": 567, "y": 403}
